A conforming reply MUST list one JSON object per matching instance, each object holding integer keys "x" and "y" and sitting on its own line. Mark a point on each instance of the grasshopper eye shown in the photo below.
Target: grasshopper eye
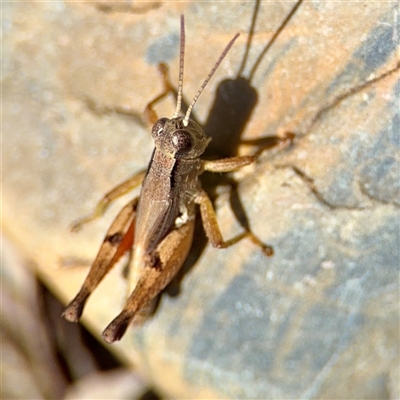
{"x": 182, "y": 141}
{"x": 158, "y": 128}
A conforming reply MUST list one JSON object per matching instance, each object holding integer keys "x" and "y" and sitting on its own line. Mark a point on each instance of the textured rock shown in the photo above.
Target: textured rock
{"x": 319, "y": 319}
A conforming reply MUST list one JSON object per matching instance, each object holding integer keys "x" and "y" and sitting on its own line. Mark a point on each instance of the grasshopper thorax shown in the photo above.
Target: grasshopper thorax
{"x": 175, "y": 139}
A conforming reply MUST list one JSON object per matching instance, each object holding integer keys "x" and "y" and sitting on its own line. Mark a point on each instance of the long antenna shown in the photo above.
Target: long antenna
{"x": 181, "y": 64}
{"x": 222, "y": 56}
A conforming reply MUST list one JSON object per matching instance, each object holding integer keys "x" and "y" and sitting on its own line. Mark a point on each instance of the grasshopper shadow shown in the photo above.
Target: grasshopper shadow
{"x": 231, "y": 111}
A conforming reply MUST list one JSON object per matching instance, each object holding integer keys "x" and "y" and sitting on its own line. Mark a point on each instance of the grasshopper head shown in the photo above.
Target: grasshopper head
{"x": 180, "y": 137}
{"x": 175, "y": 139}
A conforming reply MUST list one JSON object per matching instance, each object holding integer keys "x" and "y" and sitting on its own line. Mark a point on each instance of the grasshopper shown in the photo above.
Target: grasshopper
{"x": 158, "y": 225}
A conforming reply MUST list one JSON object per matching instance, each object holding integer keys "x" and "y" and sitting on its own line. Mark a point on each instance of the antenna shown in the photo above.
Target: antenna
{"x": 181, "y": 64}
{"x": 221, "y": 57}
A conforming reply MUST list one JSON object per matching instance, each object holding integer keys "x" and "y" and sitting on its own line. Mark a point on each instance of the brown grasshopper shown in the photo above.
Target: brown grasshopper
{"x": 159, "y": 224}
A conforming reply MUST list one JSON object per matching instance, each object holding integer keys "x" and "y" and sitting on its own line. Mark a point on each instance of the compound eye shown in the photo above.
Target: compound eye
{"x": 182, "y": 141}
{"x": 158, "y": 127}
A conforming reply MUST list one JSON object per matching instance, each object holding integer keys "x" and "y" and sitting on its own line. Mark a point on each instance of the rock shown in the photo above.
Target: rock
{"x": 320, "y": 318}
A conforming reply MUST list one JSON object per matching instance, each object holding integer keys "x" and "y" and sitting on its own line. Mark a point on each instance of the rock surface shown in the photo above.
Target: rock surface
{"x": 320, "y": 318}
